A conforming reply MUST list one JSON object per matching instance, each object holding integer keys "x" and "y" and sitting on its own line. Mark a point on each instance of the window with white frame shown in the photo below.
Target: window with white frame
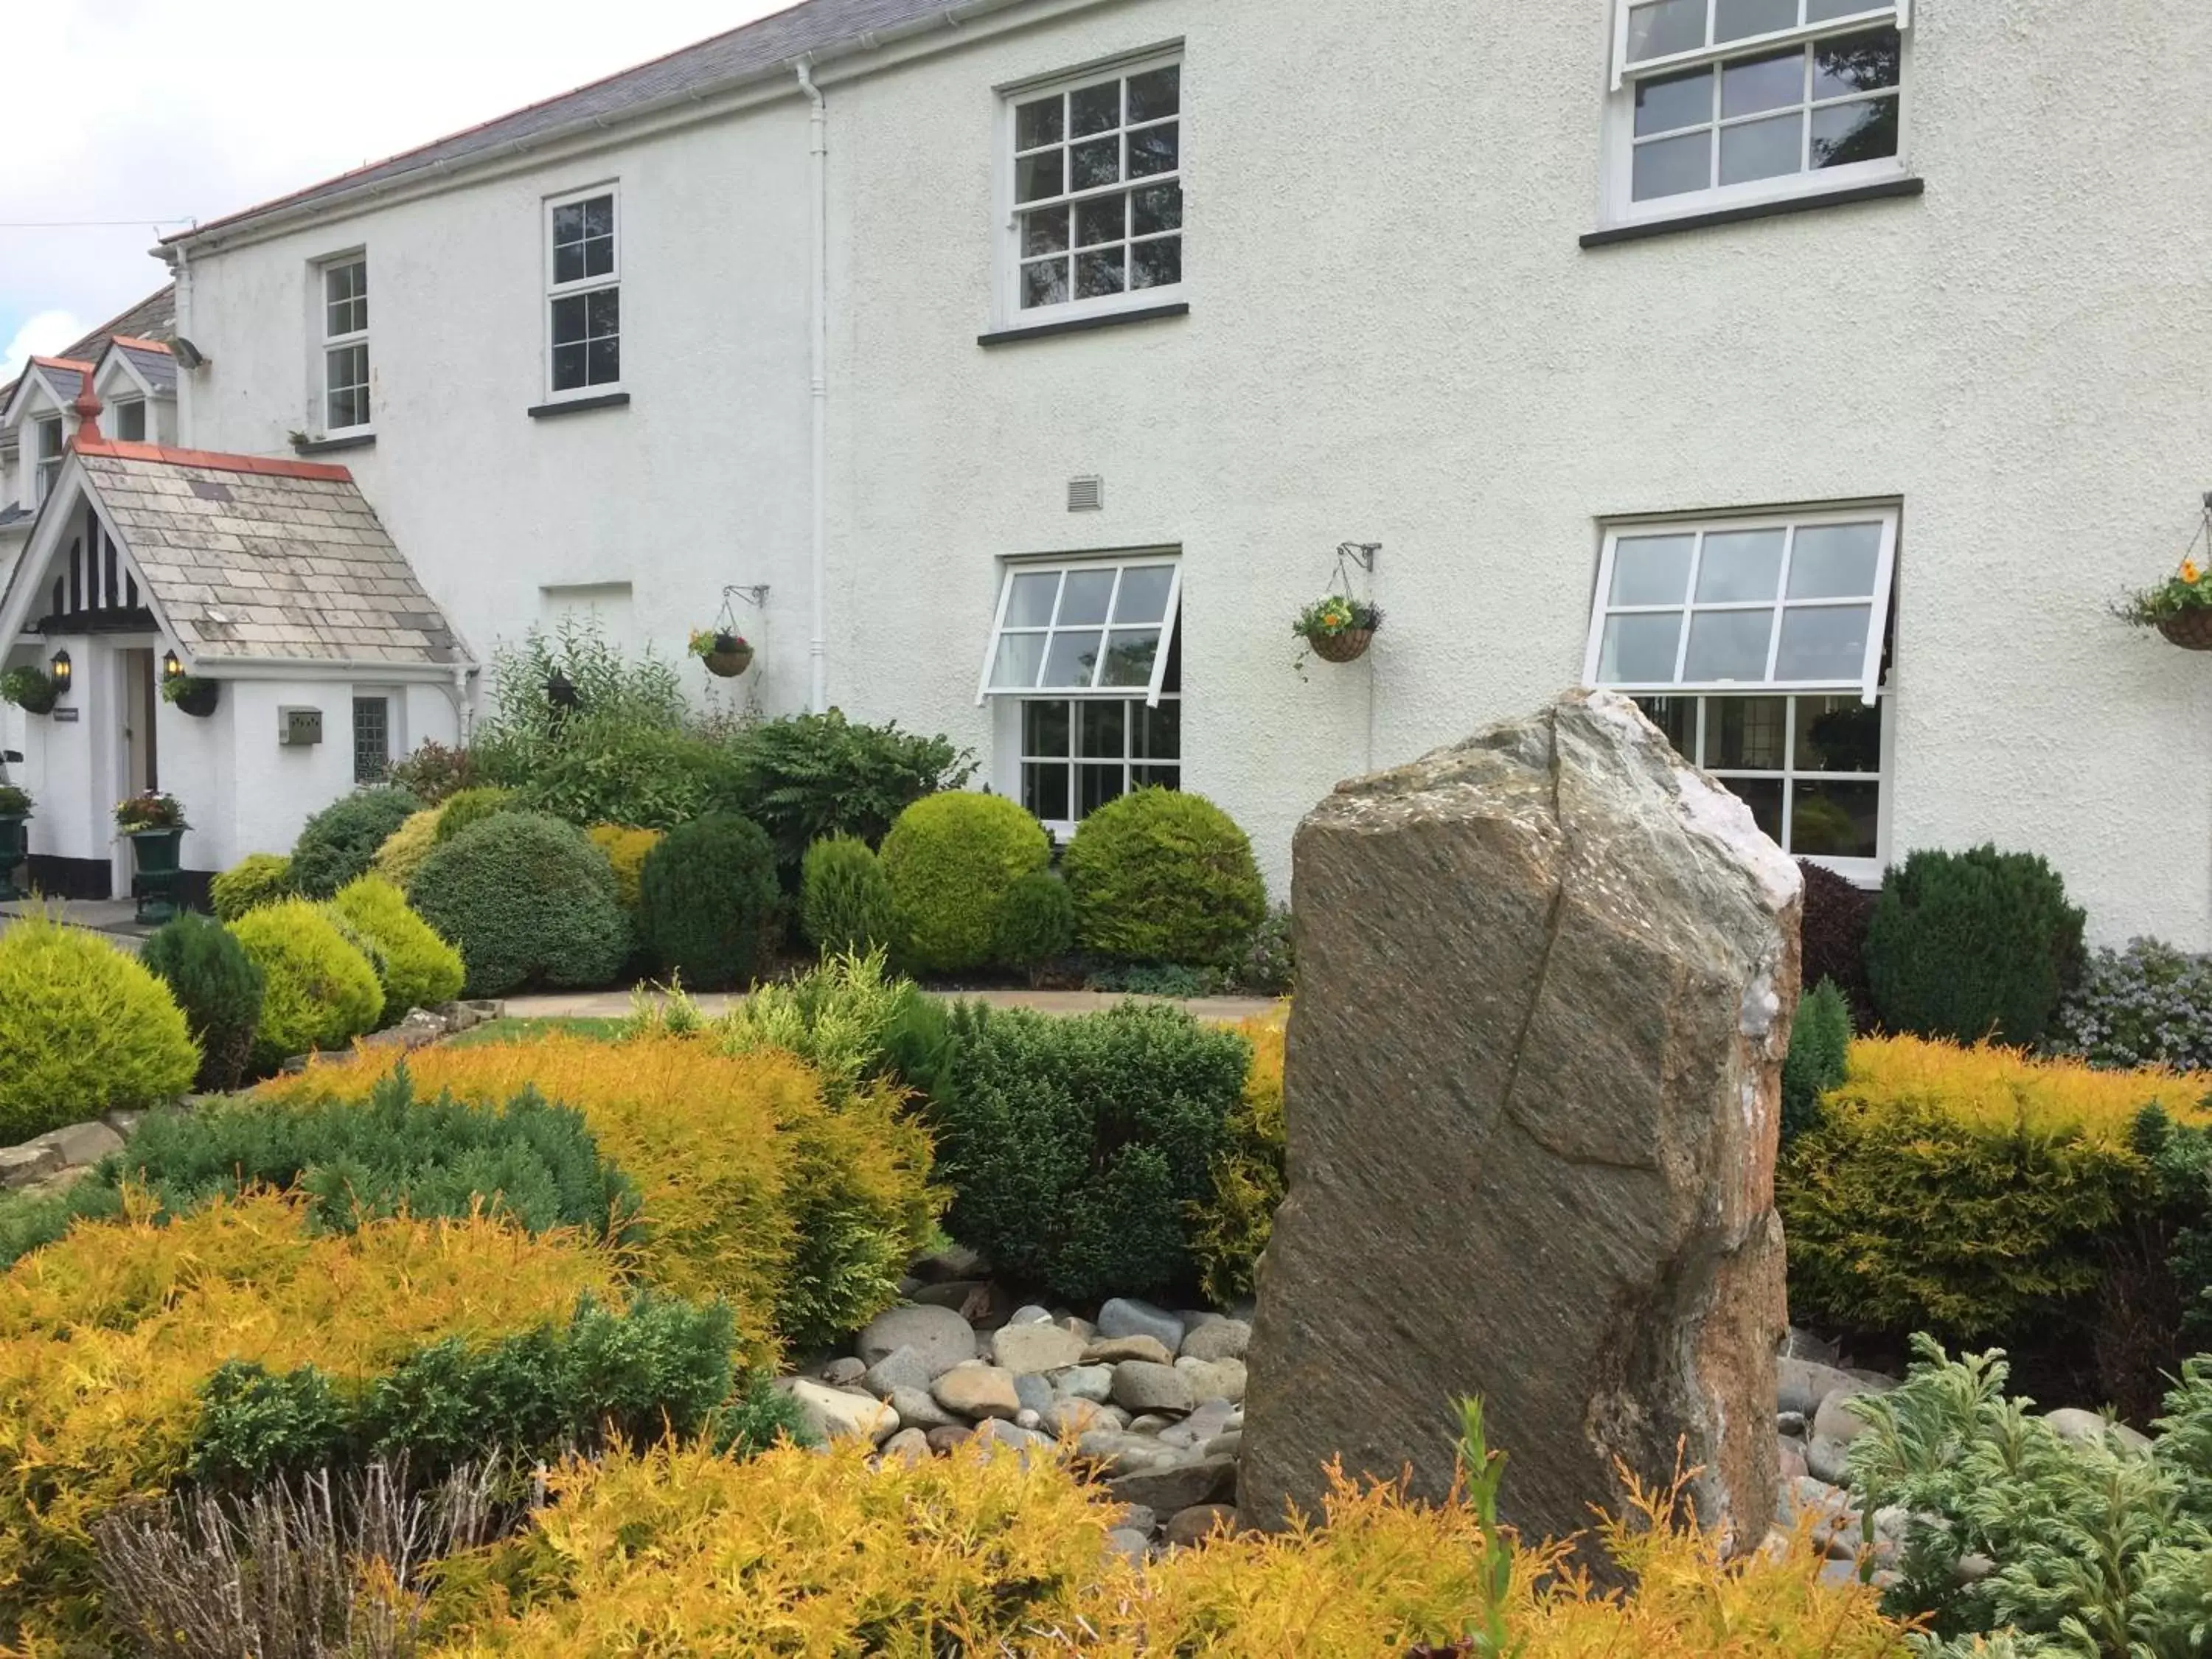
{"x": 1096, "y": 209}
{"x": 1085, "y": 657}
{"x": 48, "y": 466}
{"x": 583, "y": 293}
{"x": 1757, "y": 645}
{"x": 345, "y": 344}
{"x": 372, "y": 735}
{"x": 131, "y": 420}
{"x": 1717, "y": 101}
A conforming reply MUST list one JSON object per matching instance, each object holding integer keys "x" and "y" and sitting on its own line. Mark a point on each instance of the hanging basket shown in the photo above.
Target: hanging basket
{"x": 2191, "y": 630}
{"x": 1350, "y": 646}
{"x": 728, "y": 664}
{"x": 199, "y": 698}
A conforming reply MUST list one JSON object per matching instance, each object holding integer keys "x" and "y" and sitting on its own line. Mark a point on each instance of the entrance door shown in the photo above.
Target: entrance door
{"x": 140, "y": 692}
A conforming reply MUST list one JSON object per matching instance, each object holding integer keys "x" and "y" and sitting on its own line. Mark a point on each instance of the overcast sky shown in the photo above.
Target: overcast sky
{"x": 157, "y": 112}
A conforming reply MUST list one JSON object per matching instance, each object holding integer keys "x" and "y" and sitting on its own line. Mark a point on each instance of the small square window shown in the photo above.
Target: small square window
{"x": 131, "y": 420}
{"x": 372, "y": 738}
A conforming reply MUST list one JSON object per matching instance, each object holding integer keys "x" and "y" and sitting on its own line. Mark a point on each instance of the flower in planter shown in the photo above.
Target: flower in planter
{"x": 14, "y": 802}
{"x": 711, "y": 642}
{"x": 185, "y": 688}
{"x": 31, "y": 689}
{"x": 2185, "y": 591}
{"x": 152, "y": 810}
{"x": 1336, "y": 627}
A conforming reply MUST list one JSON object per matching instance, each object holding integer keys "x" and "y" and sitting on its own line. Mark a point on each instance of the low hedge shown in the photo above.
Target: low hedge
{"x": 951, "y": 860}
{"x": 1162, "y": 876}
{"x": 525, "y": 898}
{"x": 319, "y": 992}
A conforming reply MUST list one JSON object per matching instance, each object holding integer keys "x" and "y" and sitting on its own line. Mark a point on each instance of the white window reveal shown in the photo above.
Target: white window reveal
{"x": 1758, "y": 646}
{"x": 345, "y": 344}
{"x": 583, "y": 294}
{"x": 1716, "y": 102}
{"x": 1088, "y": 656}
{"x": 48, "y": 466}
{"x": 1096, "y": 215}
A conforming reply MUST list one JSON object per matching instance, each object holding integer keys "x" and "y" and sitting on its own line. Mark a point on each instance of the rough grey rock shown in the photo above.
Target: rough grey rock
{"x": 994, "y": 1431}
{"x": 84, "y": 1143}
{"x": 1074, "y": 1417}
{"x": 1224, "y": 1445}
{"x": 33, "y": 1161}
{"x": 1129, "y": 1544}
{"x": 1140, "y": 1385}
{"x": 1836, "y": 1421}
{"x": 1151, "y": 1423}
{"x": 1127, "y": 1316}
{"x": 949, "y": 1439}
{"x": 1039, "y": 1347}
{"x": 1029, "y": 1313}
{"x": 939, "y": 1336}
{"x": 973, "y": 1391}
{"x": 1113, "y": 1350}
{"x": 1826, "y": 1461}
{"x": 1218, "y": 1339}
{"x": 1177, "y": 1486}
{"x": 1117, "y": 1452}
{"x": 835, "y": 1415}
{"x": 842, "y": 1373}
{"x": 2081, "y": 1428}
{"x": 1546, "y": 984}
{"x": 901, "y": 1368}
{"x": 1137, "y": 1518}
{"x": 953, "y": 1262}
{"x": 1213, "y": 1379}
{"x": 1199, "y": 1523}
{"x": 918, "y": 1409}
{"x": 1802, "y": 1384}
{"x": 1028, "y": 1418}
{"x": 910, "y": 1445}
{"x": 1035, "y": 1392}
{"x": 1212, "y": 1417}
{"x": 1093, "y": 1383}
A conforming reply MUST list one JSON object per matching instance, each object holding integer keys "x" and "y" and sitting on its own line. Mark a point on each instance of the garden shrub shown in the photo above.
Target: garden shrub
{"x": 708, "y": 900}
{"x": 258, "y": 878}
{"x": 812, "y": 776}
{"x": 320, "y": 992}
{"x": 417, "y": 969}
{"x": 525, "y": 898}
{"x": 338, "y": 843}
{"x": 604, "y": 770}
{"x": 84, "y": 1029}
{"x": 1964, "y": 1191}
{"x": 950, "y": 859}
{"x": 1833, "y": 932}
{"x": 217, "y": 986}
{"x": 834, "y": 1017}
{"x": 1035, "y": 925}
{"x": 1075, "y": 1148}
{"x": 472, "y": 807}
{"x": 626, "y": 850}
{"x": 1232, "y": 1225}
{"x": 405, "y": 848}
{"x": 844, "y": 897}
{"x": 1819, "y": 1044}
{"x": 1168, "y": 979}
{"x": 433, "y": 772}
{"x": 1269, "y": 964}
{"x": 605, "y": 696}
{"x": 1972, "y": 945}
{"x": 1163, "y": 875}
{"x": 2150, "y": 1004}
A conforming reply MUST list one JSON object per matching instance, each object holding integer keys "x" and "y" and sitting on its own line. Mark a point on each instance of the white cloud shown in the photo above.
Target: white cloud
{"x": 41, "y": 335}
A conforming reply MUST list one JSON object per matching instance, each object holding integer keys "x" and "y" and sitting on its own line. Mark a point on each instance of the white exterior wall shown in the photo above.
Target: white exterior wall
{"x": 1394, "y": 336}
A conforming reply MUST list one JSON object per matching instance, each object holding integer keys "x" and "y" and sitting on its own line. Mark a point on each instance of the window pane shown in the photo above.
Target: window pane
{"x": 1095, "y": 786}
{"x": 1675, "y": 716}
{"x": 1156, "y": 733}
{"x": 1639, "y": 650}
{"x": 1735, "y": 20}
{"x": 1155, "y": 94}
{"x": 604, "y": 362}
{"x": 1745, "y": 733}
{"x": 1157, "y": 264}
{"x": 1073, "y": 660}
{"x": 1044, "y": 284}
{"x": 1020, "y": 656}
{"x": 600, "y": 256}
{"x": 1156, "y": 777}
{"x": 1844, "y": 133}
{"x": 1044, "y": 791}
{"x": 1040, "y": 123}
{"x": 602, "y": 311}
{"x": 1094, "y": 109}
{"x": 1666, "y": 102}
{"x": 1100, "y": 730}
{"x": 1030, "y": 605}
{"x": 1651, "y": 570}
{"x": 372, "y": 738}
{"x": 1144, "y": 596}
{"x": 1819, "y": 11}
{"x": 1047, "y": 728}
{"x": 1836, "y": 820}
{"x": 570, "y": 367}
{"x": 568, "y": 263}
{"x": 1156, "y": 209}
{"x": 1083, "y": 602}
{"x": 1044, "y": 233}
{"x": 1827, "y": 642}
{"x": 1099, "y": 221}
{"x": 1762, "y": 149}
{"x": 1764, "y": 797}
{"x": 345, "y": 409}
{"x": 1857, "y": 63}
{"x": 599, "y": 218}
{"x": 130, "y": 418}
{"x": 1667, "y": 167}
{"x": 1097, "y": 275}
{"x": 1837, "y": 734}
{"x": 1753, "y": 84}
{"x": 1668, "y": 25}
{"x": 568, "y": 320}
{"x": 1130, "y": 653}
{"x": 1036, "y": 177}
{"x": 1835, "y": 562}
{"x": 567, "y": 223}
{"x": 1741, "y": 565}
{"x": 1155, "y": 150}
{"x": 1728, "y": 645}
{"x": 1098, "y": 162}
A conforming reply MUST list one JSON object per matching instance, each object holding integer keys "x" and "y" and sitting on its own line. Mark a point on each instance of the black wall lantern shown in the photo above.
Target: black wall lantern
{"x": 170, "y": 667}
{"x": 60, "y": 666}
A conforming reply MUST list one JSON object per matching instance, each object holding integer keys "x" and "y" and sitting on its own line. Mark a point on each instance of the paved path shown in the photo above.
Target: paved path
{"x": 613, "y": 1004}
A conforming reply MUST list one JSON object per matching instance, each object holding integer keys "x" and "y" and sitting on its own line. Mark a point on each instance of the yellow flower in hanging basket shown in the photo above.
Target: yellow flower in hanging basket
{"x": 2190, "y": 573}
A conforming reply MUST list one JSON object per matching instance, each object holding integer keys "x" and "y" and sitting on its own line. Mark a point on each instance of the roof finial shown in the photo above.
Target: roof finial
{"x": 88, "y": 412}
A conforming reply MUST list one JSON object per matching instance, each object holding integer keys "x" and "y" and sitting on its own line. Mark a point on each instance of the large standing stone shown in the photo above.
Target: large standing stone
{"x": 1545, "y": 986}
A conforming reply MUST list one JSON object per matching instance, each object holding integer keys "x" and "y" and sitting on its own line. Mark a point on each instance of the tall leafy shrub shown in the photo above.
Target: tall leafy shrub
{"x": 1833, "y": 930}
{"x": 604, "y": 769}
{"x": 1819, "y": 1046}
{"x": 218, "y": 987}
{"x": 1162, "y": 876}
{"x": 319, "y": 990}
{"x": 1972, "y": 945}
{"x": 255, "y": 879}
{"x": 844, "y": 897}
{"x": 707, "y": 898}
{"x": 84, "y": 1029}
{"x": 951, "y": 860}
{"x": 525, "y": 898}
{"x": 417, "y": 969}
{"x": 339, "y": 843}
{"x": 811, "y": 776}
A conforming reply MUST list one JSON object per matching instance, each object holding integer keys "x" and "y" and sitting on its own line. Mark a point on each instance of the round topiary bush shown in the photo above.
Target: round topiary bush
{"x": 472, "y": 807}
{"x": 525, "y": 898}
{"x": 1161, "y": 875}
{"x": 950, "y": 859}
{"x": 84, "y": 1029}
{"x": 405, "y": 848}
{"x": 1036, "y": 924}
{"x": 218, "y": 987}
{"x": 707, "y": 898}
{"x": 320, "y": 992}
{"x": 418, "y": 969}
{"x": 626, "y": 850}
{"x": 339, "y": 842}
{"x": 844, "y": 897}
{"x": 257, "y": 879}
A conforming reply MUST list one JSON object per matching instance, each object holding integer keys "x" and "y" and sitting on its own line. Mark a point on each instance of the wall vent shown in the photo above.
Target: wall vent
{"x": 1086, "y": 494}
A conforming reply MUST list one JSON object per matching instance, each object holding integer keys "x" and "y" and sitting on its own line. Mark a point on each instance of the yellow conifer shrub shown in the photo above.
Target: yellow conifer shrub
{"x": 107, "y": 1337}
{"x": 404, "y": 849}
{"x": 1229, "y": 1229}
{"x": 626, "y": 849}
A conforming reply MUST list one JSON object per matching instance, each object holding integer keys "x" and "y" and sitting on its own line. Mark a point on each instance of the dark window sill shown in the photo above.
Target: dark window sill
{"x": 1083, "y": 325}
{"x": 333, "y": 445}
{"x": 578, "y": 406}
{"x": 1734, "y": 215}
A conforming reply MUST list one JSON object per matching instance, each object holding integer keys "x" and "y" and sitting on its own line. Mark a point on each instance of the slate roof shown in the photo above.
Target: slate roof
{"x": 157, "y": 363}
{"x": 815, "y": 28}
{"x": 250, "y": 558}
{"x": 154, "y": 318}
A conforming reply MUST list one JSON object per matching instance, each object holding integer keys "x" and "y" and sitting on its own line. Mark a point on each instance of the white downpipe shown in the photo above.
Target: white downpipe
{"x": 818, "y": 246}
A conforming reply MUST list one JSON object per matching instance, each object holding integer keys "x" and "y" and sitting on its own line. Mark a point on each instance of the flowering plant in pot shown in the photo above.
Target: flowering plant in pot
{"x": 151, "y": 811}
{"x": 2180, "y": 607}
{"x": 1336, "y": 628}
{"x": 192, "y": 694}
{"x": 154, "y": 823}
{"x": 726, "y": 652}
{"x": 33, "y": 690}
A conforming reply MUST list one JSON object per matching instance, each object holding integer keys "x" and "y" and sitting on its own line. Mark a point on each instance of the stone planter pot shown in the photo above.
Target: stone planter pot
{"x": 14, "y": 847}
{"x": 2192, "y": 629}
{"x": 160, "y": 873}
{"x": 728, "y": 663}
{"x": 201, "y": 700}
{"x": 1347, "y": 646}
